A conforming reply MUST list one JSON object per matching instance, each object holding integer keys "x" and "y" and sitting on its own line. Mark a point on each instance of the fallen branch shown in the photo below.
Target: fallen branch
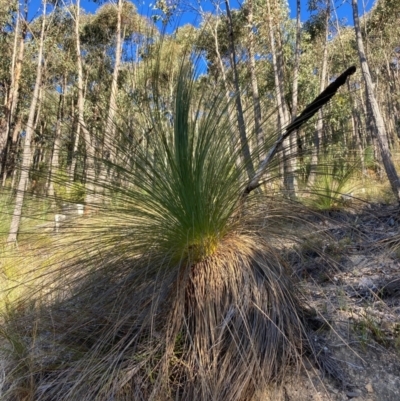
{"x": 306, "y": 114}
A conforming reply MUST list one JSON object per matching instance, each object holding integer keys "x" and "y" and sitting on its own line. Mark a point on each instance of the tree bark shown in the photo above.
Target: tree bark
{"x": 109, "y": 147}
{"x": 356, "y": 137}
{"x": 90, "y": 151}
{"x": 221, "y": 66}
{"x": 12, "y": 99}
{"x": 239, "y": 109}
{"x": 318, "y": 134}
{"x": 277, "y": 63}
{"x": 295, "y": 86}
{"x": 27, "y": 153}
{"x": 254, "y": 85}
{"x": 54, "y": 163}
{"x": 379, "y": 126}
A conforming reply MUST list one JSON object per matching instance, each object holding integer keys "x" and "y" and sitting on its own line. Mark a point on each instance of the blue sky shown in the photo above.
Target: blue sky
{"x": 343, "y": 8}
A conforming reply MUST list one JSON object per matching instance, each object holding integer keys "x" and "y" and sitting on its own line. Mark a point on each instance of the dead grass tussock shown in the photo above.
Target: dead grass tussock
{"x": 221, "y": 328}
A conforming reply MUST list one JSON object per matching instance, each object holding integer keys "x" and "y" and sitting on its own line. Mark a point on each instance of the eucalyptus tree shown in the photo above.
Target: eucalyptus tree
{"x": 379, "y": 124}
{"x": 112, "y": 108}
{"x": 238, "y": 100}
{"x": 9, "y": 26}
{"x": 121, "y": 21}
{"x": 249, "y": 10}
{"x": 222, "y": 39}
{"x": 60, "y": 96}
{"x": 297, "y": 55}
{"x": 26, "y": 156}
{"x": 274, "y": 16}
{"x": 7, "y": 122}
{"x": 382, "y": 30}
{"x": 343, "y": 44}
{"x": 320, "y": 28}
{"x": 101, "y": 42}
{"x": 81, "y": 125}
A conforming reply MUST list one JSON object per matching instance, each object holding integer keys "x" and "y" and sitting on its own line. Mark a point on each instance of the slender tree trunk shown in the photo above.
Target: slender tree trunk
{"x": 54, "y": 163}
{"x": 357, "y": 138}
{"x": 109, "y": 145}
{"x": 295, "y": 139}
{"x": 26, "y": 157}
{"x": 239, "y": 109}
{"x": 221, "y": 66}
{"x": 379, "y": 125}
{"x": 254, "y": 85}
{"x": 80, "y": 94}
{"x": 5, "y": 122}
{"x": 318, "y": 135}
{"x": 283, "y": 114}
{"x": 12, "y": 100}
{"x": 12, "y": 151}
{"x": 296, "y": 70}
{"x": 90, "y": 150}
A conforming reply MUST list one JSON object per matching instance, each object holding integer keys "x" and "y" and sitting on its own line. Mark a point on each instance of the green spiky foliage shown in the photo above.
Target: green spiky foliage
{"x": 334, "y": 182}
{"x": 167, "y": 291}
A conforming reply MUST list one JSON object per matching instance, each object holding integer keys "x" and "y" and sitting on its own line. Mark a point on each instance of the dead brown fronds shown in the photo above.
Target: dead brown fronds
{"x": 224, "y": 327}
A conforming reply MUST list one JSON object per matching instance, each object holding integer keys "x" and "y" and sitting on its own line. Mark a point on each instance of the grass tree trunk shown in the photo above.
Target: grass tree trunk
{"x": 379, "y": 125}
{"x": 27, "y": 152}
{"x": 239, "y": 108}
{"x": 109, "y": 148}
{"x": 318, "y": 134}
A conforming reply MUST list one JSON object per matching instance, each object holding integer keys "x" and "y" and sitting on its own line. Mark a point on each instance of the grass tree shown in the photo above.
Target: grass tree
{"x": 172, "y": 291}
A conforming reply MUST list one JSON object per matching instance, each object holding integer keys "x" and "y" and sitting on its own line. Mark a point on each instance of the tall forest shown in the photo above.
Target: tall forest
{"x": 70, "y": 79}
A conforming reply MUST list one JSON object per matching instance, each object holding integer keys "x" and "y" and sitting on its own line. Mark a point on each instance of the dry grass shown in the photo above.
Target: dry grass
{"x": 134, "y": 327}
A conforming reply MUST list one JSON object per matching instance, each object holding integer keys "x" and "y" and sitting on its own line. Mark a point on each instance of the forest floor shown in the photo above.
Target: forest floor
{"x": 353, "y": 281}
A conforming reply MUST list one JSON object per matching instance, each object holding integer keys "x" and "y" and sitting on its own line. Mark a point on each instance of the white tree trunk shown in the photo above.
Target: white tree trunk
{"x": 239, "y": 108}
{"x": 254, "y": 86}
{"x": 318, "y": 134}
{"x": 379, "y": 125}
{"x": 109, "y": 144}
{"x": 12, "y": 101}
{"x": 90, "y": 151}
{"x": 27, "y": 152}
{"x": 288, "y": 162}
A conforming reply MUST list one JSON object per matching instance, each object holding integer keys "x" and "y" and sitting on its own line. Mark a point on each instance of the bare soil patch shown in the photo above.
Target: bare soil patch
{"x": 352, "y": 278}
